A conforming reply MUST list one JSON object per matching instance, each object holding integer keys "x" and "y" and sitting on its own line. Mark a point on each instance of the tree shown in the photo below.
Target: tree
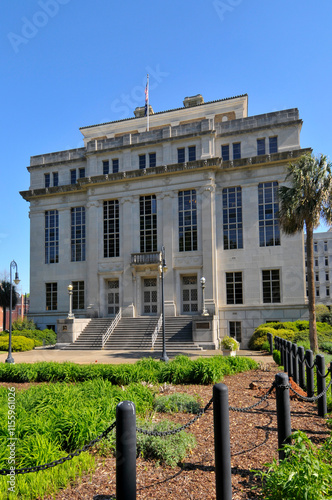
{"x": 302, "y": 205}
{"x": 5, "y": 299}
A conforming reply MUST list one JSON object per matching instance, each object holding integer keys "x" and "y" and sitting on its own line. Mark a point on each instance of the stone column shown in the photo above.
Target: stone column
{"x": 208, "y": 243}
{"x": 167, "y": 215}
{"x": 94, "y": 249}
{"x": 129, "y": 243}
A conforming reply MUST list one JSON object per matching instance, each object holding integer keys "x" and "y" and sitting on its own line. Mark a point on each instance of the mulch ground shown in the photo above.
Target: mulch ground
{"x": 254, "y": 442}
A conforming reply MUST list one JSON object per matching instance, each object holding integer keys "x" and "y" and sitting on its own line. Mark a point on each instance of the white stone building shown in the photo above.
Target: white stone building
{"x": 322, "y": 267}
{"x": 202, "y": 182}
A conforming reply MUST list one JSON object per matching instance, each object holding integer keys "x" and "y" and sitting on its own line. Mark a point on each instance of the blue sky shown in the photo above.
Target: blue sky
{"x": 72, "y": 63}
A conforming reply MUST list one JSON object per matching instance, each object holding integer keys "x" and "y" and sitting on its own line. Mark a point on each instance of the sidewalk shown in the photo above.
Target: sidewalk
{"x": 114, "y": 357}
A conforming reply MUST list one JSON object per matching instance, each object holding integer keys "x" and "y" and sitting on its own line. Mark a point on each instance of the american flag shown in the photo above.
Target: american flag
{"x": 146, "y": 98}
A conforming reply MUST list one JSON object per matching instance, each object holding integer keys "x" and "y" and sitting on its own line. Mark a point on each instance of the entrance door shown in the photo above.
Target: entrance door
{"x": 112, "y": 297}
{"x": 150, "y": 296}
{"x": 189, "y": 294}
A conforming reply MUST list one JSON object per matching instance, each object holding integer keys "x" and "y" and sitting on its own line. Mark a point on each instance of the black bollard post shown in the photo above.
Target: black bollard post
{"x": 321, "y": 385}
{"x": 301, "y": 366}
{"x": 270, "y": 341}
{"x": 281, "y": 349}
{"x": 126, "y": 451}
{"x": 285, "y": 355}
{"x": 295, "y": 363}
{"x": 331, "y": 373}
{"x": 283, "y": 412}
{"x": 222, "y": 445}
{"x": 309, "y": 357}
{"x": 290, "y": 358}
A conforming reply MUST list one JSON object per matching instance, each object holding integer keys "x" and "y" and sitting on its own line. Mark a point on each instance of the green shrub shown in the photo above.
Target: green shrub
{"x": 170, "y": 449}
{"x": 305, "y": 473}
{"x": 47, "y": 337}
{"x": 277, "y": 357}
{"x": 24, "y": 324}
{"x": 19, "y": 343}
{"x": 266, "y": 346}
{"x": 326, "y": 347}
{"x": 177, "y": 402}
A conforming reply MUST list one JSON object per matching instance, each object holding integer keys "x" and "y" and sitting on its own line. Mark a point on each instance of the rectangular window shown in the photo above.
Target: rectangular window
{"x": 316, "y": 276}
{"x": 47, "y": 180}
{"x": 236, "y": 150}
{"x": 317, "y": 291}
{"x": 268, "y": 206}
{"x": 234, "y": 291}
{"x": 271, "y": 286}
{"x": 141, "y": 162}
{"x": 327, "y": 276}
{"x": 81, "y": 172}
{"x": 260, "y": 147}
{"x": 316, "y": 262}
{"x": 51, "y": 236}
{"x": 78, "y": 294}
{"x": 106, "y": 167}
{"x": 73, "y": 176}
{"x": 77, "y": 234}
{"x": 315, "y": 246}
{"x": 327, "y": 291}
{"x": 235, "y": 330}
{"x": 192, "y": 153}
{"x": 148, "y": 223}
{"x": 181, "y": 155}
{"x": 115, "y": 165}
{"x": 325, "y": 246}
{"x": 225, "y": 152}
{"x": 232, "y": 218}
{"x": 152, "y": 160}
{"x": 273, "y": 145}
{"x": 187, "y": 220}
{"x": 55, "y": 179}
{"x": 51, "y": 296}
{"x": 111, "y": 229}
{"x": 326, "y": 261}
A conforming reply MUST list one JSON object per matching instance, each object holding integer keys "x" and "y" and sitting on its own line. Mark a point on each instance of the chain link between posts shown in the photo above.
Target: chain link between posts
{"x": 262, "y": 399}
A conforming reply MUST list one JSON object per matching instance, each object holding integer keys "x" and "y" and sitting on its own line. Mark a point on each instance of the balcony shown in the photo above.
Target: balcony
{"x": 151, "y": 259}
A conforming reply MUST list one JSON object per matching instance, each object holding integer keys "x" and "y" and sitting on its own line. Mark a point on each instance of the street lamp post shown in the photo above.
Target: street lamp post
{"x": 204, "y": 311}
{"x": 70, "y": 291}
{"x": 13, "y": 264}
{"x": 163, "y": 270}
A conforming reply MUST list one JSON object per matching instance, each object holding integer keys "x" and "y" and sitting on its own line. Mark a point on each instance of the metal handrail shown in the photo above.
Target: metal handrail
{"x": 111, "y": 328}
{"x": 156, "y": 331}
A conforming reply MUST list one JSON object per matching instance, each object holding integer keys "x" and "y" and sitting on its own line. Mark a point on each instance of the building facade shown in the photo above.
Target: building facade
{"x": 202, "y": 182}
{"x": 322, "y": 267}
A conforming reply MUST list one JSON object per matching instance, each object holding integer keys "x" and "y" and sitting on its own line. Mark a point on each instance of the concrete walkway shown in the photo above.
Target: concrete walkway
{"x": 114, "y": 357}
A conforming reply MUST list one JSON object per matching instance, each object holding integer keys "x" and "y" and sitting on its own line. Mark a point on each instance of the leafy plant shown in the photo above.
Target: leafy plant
{"x": 170, "y": 449}
{"x": 177, "y": 402}
{"x": 305, "y": 472}
{"x": 19, "y": 343}
{"x": 24, "y": 324}
{"x": 229, "y": 343}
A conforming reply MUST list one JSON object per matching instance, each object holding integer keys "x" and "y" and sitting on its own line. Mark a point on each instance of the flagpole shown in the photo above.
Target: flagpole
{"x": 148, "y": 108}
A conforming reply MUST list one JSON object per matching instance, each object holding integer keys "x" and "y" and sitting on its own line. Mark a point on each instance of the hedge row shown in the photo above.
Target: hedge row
{"x": 295, "y": 331}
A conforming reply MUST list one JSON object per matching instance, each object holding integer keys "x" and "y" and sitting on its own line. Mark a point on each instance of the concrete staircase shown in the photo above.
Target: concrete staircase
{"x": 91, "y": 337}
{"x": 135, "y": 334}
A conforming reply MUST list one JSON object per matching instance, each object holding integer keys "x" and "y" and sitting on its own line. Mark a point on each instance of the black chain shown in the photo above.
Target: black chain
{"x": 25, "y": 470}
{"x": 310, "y": 367}
{"x": 178, "y": 429}
{"x": 263, "y": 398}
{"x": 326, "y": 374}
{"x": 314, "y": 398}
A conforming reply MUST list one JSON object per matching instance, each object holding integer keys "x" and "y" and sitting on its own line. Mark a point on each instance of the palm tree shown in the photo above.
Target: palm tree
{"x": 5, "y": 299}
{"x": 302, "y": 205}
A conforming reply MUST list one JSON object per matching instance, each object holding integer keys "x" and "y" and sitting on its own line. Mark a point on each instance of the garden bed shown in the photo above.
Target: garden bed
{"x": 253, "y": 443}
